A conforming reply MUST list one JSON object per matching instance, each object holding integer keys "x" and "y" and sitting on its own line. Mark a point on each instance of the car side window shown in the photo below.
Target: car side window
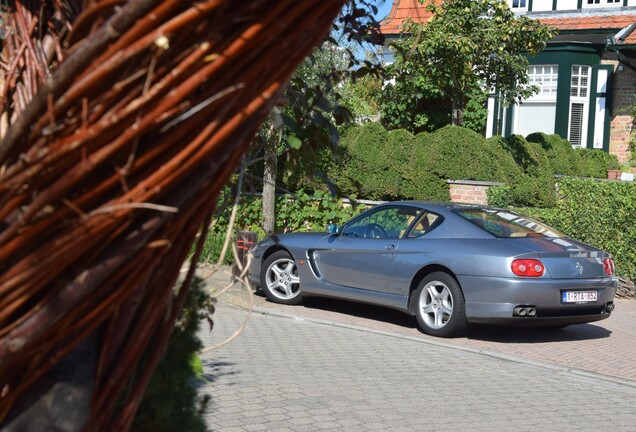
{"x": 386, "y": 223}
{"x": 424, "y": 224}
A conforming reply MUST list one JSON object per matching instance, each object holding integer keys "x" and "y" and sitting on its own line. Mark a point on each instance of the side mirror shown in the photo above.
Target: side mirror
{"x": 332, "y": 229}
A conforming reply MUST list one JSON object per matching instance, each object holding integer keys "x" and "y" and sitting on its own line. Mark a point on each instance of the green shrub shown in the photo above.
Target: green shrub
{"x": 302, "y": 212}
{"x": 458, "y": 153}
{"x": 533, "y": 183}
{"x": 575, "y": 162}
{"x": 212, "y": 249}
{"x": 595, "y": 163}
{"x": 559, "y": 153}
{"x": 362, "y": 168}
{"x": 171, "y": 402}
{"x": 380, "y": 165}
{"x": 298, "y": 212}
{"x": 499, "y": 196}
{"x": 508, "y": 168}
{"x": 422, "y": 183}
{"x": 597, "y": 213}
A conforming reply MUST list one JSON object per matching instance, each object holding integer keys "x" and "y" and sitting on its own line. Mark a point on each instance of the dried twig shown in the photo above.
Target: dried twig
{"x": 114, "y": 165}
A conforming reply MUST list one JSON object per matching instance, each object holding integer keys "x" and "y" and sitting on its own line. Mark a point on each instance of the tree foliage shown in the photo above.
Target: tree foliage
{"x": 410, "y": 101}
{"x": 362, "y": 96}
{"x": 307, "y": 119}
{"x": 467, "y": 47}
{"x": 598, "y": 213}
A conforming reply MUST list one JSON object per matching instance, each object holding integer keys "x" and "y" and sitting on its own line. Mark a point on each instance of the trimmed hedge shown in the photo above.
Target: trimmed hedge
{"x": 577, "y": 162}
{"x": 534, "y": 182}
{"x": 540, "y": 157}
{"x": 595, "y": 163}
{"x": 597, "y": 213}
{"x": 381, "y": 165}
{"x": 458, "y": 153}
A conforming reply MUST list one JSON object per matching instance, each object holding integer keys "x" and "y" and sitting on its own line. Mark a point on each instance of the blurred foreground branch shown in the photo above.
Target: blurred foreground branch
{"x": 150, "y": 110}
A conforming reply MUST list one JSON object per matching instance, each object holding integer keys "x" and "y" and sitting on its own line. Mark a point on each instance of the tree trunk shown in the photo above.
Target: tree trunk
{"x": 269, "y": 186}
{"x": 458, "y": 110}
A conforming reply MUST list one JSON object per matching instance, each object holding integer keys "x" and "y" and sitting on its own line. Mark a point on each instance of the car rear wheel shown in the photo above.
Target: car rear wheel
{"x": 279, "y": 279}
{"x": 440, "y": 309}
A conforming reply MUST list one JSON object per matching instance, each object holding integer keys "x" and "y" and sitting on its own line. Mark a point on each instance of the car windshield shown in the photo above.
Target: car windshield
{"x": 505, "y": 224}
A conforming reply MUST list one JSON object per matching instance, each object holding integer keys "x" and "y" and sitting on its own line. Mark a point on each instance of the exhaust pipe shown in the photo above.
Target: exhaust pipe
{"x": 525, "y": 311}
{"x": 610, "y": 307}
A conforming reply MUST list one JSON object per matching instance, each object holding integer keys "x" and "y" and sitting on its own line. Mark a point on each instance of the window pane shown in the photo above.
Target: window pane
{"x": 507, "y": 224}
{"x": 579, "y": 81}
{"x": 544, "y": 77}
{"x": 386, "y": 223}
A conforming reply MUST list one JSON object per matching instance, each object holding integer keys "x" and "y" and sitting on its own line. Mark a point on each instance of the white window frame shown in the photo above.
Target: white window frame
{"x": 511, "y": 4}
{"x": 546, "y": 77}
{"x": 578, "y": 99}
{"x": 547, "y": 80}
{"x": 602, "y": 3}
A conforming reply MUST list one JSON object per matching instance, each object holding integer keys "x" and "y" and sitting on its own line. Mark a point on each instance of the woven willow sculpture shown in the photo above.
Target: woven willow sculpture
{"x": 121, "y": 122}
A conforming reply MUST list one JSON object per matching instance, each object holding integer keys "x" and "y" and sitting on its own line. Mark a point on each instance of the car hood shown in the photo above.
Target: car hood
{"x": 565, "y": 258}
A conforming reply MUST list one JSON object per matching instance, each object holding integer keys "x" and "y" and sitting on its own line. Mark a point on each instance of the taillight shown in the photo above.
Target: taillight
{"x": 609, "y": 266}
{"x": 528, "y": 267}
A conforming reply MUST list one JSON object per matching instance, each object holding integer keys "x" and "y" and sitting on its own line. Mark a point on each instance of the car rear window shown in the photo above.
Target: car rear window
{"x": 507, "y": 224}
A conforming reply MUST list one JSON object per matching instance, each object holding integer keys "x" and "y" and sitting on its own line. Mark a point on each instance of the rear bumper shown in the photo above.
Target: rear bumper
{"x": 539, "y": 321}
{"x": 493, "y": 300}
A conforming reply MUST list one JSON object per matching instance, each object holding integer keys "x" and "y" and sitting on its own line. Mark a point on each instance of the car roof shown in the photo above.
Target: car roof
{"x": 438, "y": 206}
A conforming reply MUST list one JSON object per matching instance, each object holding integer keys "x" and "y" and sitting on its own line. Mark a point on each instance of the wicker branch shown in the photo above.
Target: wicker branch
{"x": 111, "y": 165}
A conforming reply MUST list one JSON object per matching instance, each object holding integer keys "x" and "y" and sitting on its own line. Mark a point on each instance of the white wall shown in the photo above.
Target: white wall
{"x": 544, "y": 5}
{"x": 566, "y": 4}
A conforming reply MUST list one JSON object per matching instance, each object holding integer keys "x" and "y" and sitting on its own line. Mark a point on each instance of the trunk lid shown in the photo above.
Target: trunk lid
{"x": 566, "y": 258}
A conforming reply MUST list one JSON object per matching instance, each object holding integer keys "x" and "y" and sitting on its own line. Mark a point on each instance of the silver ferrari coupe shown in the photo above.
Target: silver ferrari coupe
{"x": 448, "y": 264}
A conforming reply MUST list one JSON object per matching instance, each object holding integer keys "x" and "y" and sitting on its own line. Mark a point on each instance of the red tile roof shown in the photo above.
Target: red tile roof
{"x": 631, "y": 39}
{"x": 603, "y": 22}
{"x": 404, "y": 9}
{"x": 400, "y": 12}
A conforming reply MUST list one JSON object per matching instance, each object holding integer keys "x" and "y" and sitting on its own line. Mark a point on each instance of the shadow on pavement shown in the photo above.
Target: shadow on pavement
{"x": 525, "y": 335}
{"x": 483, "y": 332}
{"x": 213, "y": 370}
{"x": 360, "y": 310}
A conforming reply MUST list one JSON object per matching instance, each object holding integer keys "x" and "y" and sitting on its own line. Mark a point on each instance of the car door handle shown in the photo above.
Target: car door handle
{"x": 390, "y": 247}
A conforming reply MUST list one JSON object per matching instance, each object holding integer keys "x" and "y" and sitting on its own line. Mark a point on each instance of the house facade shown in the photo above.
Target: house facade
{"x": 586, "y": 75}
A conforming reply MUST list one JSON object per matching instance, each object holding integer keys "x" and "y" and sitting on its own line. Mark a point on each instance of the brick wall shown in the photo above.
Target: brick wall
{"x": 623, "y": 101}
{"x": 470, "y": 192}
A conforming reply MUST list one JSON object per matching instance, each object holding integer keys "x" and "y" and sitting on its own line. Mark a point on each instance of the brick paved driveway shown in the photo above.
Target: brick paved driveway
{"x": 606, "y": 347}
{"x": 303, "y": 374}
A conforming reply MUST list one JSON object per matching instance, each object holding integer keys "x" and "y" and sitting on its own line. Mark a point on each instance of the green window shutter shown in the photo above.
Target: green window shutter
{"x": 600, "y": 107}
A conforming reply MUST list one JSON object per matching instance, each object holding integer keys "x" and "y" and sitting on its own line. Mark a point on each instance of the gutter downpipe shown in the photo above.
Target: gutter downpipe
{"x": 613, "y": 44}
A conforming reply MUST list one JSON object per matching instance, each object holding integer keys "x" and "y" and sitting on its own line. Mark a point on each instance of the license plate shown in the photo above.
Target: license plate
{"x": 579, "y": 296}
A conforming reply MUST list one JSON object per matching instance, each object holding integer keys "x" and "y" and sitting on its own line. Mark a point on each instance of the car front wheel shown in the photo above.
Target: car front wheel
{"x": 439, "y": 305}
{"x": 279, "y": 279}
